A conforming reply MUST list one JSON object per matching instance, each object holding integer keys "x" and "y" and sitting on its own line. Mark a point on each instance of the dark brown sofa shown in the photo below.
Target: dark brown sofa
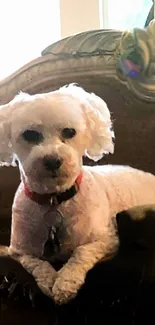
{"x": 94, "y": 60}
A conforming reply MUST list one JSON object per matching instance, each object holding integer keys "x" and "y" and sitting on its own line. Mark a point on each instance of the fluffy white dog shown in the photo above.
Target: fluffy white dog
{"x": 48, "y": 134}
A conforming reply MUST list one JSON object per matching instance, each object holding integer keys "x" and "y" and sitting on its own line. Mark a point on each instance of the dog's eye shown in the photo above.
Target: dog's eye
{"x": 68, "y": 133}
{"x": 32, "y": 136}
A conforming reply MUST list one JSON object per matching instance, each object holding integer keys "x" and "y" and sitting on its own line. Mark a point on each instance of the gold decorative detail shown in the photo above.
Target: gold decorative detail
{"x": 138, "y": 47}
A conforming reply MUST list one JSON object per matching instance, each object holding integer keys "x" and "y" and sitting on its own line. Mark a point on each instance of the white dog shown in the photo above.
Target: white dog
{"x": 48, "y": 134}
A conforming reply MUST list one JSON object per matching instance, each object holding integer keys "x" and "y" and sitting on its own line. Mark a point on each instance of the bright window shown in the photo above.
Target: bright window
{"x": 27, "y": 27}
{"x": 125, "y": 14}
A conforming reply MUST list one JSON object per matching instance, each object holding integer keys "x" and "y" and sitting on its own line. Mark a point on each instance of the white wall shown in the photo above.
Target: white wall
{"x": 27, "y": 27}
{"x": 78, "y": 16}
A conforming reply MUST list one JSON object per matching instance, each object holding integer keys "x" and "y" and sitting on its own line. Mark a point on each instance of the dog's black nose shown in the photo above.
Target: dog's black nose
{"x": 52, "y": 163}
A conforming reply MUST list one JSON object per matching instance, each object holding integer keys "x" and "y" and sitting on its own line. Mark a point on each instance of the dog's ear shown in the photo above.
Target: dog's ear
{"x": 99, "y": 127}
{"x": 6, "y": 154}
{"x": 99, "y": 124}
{"x": 7, "y": 157}
{"x": 98, "y": 120}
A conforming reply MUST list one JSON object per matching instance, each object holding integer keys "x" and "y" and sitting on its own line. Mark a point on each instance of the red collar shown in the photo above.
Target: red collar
{"x": 53, "y": 198}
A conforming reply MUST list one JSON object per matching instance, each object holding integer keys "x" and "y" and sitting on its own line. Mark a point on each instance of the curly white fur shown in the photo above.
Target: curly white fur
{"x": 86, "y": 232}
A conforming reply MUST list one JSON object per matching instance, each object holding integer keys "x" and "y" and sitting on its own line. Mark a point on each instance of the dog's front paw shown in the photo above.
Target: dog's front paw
{"x": 43, "y": 273}
{"x": 66, "y": 287}
{"x": 45, "y": 278}
{"x": 45, "y": 287}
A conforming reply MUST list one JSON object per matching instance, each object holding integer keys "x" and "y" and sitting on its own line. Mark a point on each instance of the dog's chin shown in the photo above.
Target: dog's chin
{"x": 51, "y": 184}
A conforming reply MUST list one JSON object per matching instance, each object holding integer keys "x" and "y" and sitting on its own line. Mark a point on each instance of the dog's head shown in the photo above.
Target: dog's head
{"x": 49, "y": 133}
